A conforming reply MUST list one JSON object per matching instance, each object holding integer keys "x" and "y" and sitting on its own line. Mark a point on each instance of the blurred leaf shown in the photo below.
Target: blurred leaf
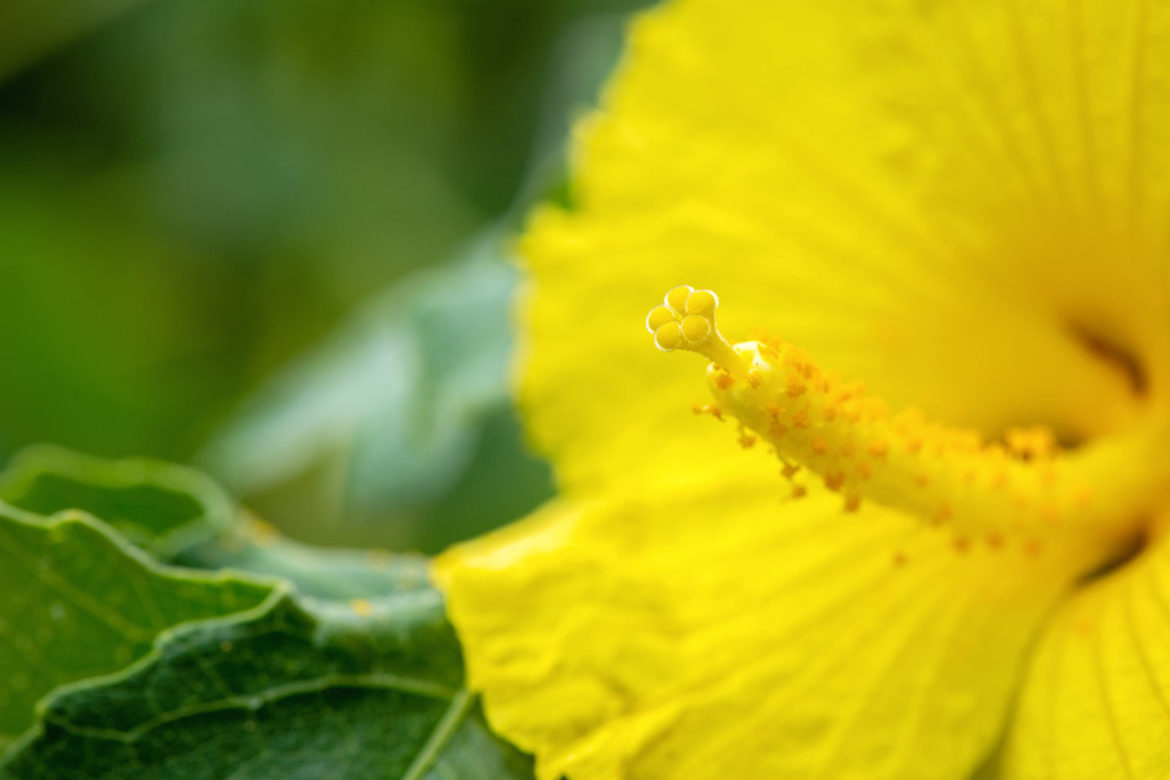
{"x": 404, "y": 392}
{"x": 403, "y": 381}
{"x": 309, "y": 133}
{"x": 195, "y": 194}
{"x": 403, "y": 415}
{"x": 79, "y": 602}
{"x": 583, "y": 53}
{"x": 374, "y": 690}
{"x": 109, "y": 319}
{"x": 32, "y": 28}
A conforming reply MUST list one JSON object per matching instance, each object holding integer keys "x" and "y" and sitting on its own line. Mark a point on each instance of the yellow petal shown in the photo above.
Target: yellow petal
{"x": 955, "y": 201}
{"x": 1096, "y": 703}
{"x": 725, "y": 633}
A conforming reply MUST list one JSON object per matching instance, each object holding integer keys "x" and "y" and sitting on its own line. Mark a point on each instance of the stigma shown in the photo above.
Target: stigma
{"x": 1020, "y": 489}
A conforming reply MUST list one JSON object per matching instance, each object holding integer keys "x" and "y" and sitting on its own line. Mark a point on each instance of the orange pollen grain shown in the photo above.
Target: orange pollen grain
{"x": 835, "y": 480}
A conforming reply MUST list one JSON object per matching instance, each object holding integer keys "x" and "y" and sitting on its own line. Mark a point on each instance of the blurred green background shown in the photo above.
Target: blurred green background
{"x": 269, "y": 238}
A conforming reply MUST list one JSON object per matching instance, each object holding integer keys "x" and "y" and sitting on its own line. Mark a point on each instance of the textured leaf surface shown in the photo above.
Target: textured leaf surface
{"x": 79, "y": 602}
{"x": 372, "y": 689}
{"x": 348, "y": 670}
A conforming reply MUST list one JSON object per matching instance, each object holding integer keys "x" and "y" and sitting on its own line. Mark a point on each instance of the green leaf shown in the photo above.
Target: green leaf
{"x": 405, "y": 377}
{"x": 161, "y": 507}
{"x": 407, "y": 397}
{"x": 79, "y": 602}
{"x": 350, "y": 669}
{"x": 318, "y": 572}
{"x": 312, "y": 689}
{"x": 183, "y": 517}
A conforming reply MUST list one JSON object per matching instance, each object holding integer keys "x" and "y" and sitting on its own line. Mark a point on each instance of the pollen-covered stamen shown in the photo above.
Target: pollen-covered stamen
{"x": 1023, "y": 491}
{"x": 686, "y": 320}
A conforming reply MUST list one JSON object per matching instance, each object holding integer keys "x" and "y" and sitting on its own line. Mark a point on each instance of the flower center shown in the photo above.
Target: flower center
{"x": 1023, "y": 492}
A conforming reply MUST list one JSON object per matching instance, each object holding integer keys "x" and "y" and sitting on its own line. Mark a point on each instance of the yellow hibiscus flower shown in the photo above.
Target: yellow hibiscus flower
{"x": 964, "y": 205}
